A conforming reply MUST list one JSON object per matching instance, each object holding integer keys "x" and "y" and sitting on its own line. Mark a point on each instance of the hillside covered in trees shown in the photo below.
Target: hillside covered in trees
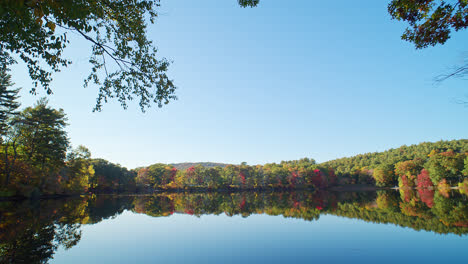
{"x": 419, "y": 165}
{"x": 442, "y": 164}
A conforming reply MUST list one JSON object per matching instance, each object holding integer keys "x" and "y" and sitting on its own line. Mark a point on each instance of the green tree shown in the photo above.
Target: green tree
{"x": 155, "y": 176}
{"x": 465, "y": 171}
{"x": 248, "y": 3}
{"x": 8, "y": 109}
{"x": 124, "y": 61}
{"x": 43, "y": 138}
{"x": 447, "y": 165}
{"x": 213, "y": 177}
{"x": 111, "y": 177}
{"x": 230, "y": 174}
{"x": 430, "y": 22}
{"x": 78, "y": 170}
{"x": 8, "y": 96}
{"x": 384, "y": 175}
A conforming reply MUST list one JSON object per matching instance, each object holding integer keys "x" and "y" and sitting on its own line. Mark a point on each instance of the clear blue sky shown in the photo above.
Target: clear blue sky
{"x": 285, "y": 80}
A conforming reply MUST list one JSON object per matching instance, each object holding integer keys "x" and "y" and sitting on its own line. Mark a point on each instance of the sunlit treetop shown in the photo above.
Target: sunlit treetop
{"x": 248, "y": 3}
{"x": 430, "y": 21}
{"x": 124, "y": 61}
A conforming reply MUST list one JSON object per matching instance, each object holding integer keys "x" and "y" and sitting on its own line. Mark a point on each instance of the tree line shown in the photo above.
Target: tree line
{"x": 300, "y": 174}
{"x": 36, "y": 159}
{"x": 440, "y": 165}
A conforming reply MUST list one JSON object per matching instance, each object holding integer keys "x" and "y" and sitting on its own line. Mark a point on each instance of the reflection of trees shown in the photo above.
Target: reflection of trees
{"x": 387, "y": 201}
{"x": 419, "y": 210}
{"x": 68, "y": 235}
{"x": 105, "y": 207}
{"x": 303, "y": 205}
{"x": 32, "y": 245}
{"x": 32, "y": 232}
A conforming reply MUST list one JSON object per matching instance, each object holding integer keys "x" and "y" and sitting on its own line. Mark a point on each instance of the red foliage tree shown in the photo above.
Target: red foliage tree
{"x": 424, "y": 181}
{"x": 242, "y": 178}
{"x": 173, "y": 174}
{"x": 190, "y": 172}
{"x": 317, "y": 178}
{"x": 293, "y": 179}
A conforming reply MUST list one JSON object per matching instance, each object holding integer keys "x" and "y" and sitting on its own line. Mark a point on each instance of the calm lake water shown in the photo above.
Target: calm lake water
{"x": 267, "y": 227}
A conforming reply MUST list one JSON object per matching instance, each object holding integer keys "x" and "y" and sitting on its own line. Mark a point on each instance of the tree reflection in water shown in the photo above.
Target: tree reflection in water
{"x": 30, "y": 232}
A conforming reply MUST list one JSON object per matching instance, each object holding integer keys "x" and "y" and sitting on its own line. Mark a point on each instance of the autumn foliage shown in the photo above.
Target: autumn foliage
{"x": 424, "y": 181}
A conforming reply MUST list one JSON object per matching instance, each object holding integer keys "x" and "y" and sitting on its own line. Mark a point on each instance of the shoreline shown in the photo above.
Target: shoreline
{"x": 340, "y": 188}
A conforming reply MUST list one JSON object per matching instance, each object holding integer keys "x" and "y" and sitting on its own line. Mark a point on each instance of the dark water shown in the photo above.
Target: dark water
{"x": 321, "y": 227}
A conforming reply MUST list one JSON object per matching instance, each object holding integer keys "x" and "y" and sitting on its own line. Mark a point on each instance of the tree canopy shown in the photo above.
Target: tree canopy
{"x": 432, "y": 22}
{"x": 37, "y": 32}
{"x": 125, "y": 63}
{"x": 43, "y": 136}
{"x": 248, "y": 3}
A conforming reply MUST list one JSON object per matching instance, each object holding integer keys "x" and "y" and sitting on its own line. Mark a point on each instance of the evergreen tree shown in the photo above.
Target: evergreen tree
{"x": 8, "y": 107}
{"x": 8, "y": 96}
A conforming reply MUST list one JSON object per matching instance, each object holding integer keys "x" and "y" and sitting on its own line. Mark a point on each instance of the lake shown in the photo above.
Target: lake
{"x": 245, "y": 227}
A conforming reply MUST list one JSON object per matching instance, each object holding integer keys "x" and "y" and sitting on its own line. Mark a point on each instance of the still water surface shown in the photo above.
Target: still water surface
{"x": 364, "y": 227}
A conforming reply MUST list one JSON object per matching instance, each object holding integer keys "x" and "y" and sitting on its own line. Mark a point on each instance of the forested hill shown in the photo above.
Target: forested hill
{"x": 427, "y": 165}
{"x": 370, "y": 160}
{"x": 186, "y": 165}
{"x": 393, "y": 156}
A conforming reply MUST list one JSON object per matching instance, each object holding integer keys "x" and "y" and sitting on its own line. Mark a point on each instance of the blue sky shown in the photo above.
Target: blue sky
{"x": 285, "y": 80}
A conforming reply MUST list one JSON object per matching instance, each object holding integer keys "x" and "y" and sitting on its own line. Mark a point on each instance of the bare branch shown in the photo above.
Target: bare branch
{"x": 457, "y": 73}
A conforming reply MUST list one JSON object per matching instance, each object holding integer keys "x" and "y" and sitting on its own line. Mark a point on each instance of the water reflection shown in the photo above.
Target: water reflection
{"x": 30, "y": 232}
